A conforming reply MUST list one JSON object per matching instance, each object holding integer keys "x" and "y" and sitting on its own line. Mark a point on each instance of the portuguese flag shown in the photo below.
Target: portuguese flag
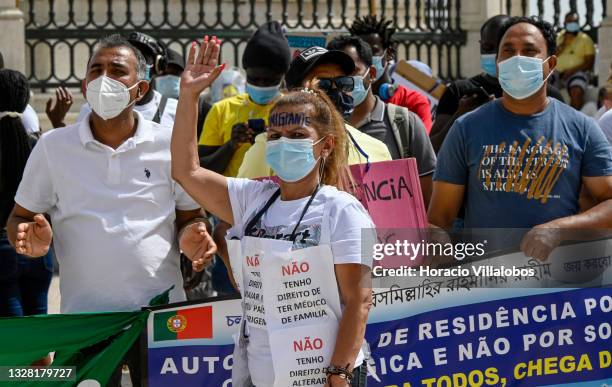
{"x": 181, "y": 324}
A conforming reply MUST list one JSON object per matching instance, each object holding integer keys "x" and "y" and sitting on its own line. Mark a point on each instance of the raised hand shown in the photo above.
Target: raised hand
{"x": 34, "y": 238}
{"x": 197, "y": 244}
{"x": 57, "y": 112}
{"x": 201, "y": 69}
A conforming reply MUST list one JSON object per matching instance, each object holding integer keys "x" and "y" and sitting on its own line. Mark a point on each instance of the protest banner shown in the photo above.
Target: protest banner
{"x": 485, "y": 340}
{"x": 495, "y": 325}
{"x": 176, "y": 358}
{"x": 470, "y": 330}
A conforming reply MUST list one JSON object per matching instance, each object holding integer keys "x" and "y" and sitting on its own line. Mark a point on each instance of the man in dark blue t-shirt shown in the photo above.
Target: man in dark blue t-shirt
{"x": 520, "y": 161}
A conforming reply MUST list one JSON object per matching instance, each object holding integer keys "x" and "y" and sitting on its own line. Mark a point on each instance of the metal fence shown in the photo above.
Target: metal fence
{"x": 60, "y": 34}
{"x": 590, "y": 12}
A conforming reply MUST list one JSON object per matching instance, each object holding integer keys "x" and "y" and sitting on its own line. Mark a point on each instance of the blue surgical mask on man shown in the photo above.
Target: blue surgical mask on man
{"x": 572, "y": 27}
{"x": 168, "y": 85}
{"x": 262, "y": 95}
{"x": 344, "y": 102}
{"x": 377, "y": 62}
{"x": 488, "y": 64}
{"x": 291, "y": 159}
{"x": 522, "y": 76}
{"x": 359, "y": 92}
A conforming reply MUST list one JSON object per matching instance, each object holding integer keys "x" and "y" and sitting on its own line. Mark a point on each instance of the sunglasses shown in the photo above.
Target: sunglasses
{"x": 345, "y": 84}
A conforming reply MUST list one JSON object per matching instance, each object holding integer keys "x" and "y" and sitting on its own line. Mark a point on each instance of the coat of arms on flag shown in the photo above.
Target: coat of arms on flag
{"x": 177, "y": 323}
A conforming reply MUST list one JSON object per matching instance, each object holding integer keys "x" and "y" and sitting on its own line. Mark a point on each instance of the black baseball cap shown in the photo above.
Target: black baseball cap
{"x": 148, "y": 45}
{"x": 175, "y": 58}
{"x": 310, "y": 57}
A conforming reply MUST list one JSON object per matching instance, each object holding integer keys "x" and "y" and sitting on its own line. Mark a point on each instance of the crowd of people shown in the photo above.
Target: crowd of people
{"x": 152, "y": 170}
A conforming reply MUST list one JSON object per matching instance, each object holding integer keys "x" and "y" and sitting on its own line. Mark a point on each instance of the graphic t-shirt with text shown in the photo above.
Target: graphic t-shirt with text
{"x": 521, "y": 171}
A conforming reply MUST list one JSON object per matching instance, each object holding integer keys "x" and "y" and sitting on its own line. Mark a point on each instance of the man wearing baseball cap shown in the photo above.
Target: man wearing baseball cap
{"x": 168, "y": 83}
{"x": 232, "y": 123}
{"x": 333, "y": 71}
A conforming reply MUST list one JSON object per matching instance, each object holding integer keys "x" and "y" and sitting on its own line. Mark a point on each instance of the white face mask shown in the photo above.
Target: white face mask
{"x": 108, "y": 97}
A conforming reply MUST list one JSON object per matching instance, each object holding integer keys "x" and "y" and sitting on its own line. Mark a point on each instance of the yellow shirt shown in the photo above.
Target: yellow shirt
{"x": 575, "y": 52}
{"x": 223, "y": 116}
{"x": 255, "y": 165}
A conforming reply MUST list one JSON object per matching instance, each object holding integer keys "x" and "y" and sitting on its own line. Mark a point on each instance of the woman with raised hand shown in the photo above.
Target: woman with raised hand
{"x": 294, "y": 247}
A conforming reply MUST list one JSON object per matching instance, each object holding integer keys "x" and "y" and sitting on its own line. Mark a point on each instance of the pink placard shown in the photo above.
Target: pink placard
{"x": 391, "y": 192}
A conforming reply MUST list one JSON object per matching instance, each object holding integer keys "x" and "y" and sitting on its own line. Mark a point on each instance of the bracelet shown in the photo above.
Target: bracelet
{"x": 341, "y": 372}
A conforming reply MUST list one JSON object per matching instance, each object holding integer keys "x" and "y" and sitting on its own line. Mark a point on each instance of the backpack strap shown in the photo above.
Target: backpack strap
{"x": 401, "y": 121}
{"x": 160, "y": 109}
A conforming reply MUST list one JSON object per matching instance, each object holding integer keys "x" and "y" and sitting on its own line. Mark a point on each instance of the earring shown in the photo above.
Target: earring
{"x": 322, "y": 169}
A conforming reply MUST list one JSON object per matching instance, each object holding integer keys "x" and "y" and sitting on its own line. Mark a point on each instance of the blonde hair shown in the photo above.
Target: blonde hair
{"x": 327, "y": 122}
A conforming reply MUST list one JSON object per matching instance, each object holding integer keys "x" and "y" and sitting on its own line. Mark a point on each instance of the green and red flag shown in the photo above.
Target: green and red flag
{"x": 181, "y": 324}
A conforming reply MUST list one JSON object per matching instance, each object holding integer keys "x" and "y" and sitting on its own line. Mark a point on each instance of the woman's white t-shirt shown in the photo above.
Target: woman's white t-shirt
{"x": 345, "y": 220}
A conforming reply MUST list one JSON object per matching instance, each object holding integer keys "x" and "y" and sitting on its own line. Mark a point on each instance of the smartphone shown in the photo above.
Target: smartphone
{"x": 480, "y": 92}
{"x": 258, "y": 125}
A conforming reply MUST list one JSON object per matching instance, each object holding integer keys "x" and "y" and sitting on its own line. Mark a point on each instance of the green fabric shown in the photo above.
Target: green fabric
{"x": 160, "y": 326}
{"x": 27, "y": 339}
{"x": 161, "y": 299}
{"x": 24, "y": 340}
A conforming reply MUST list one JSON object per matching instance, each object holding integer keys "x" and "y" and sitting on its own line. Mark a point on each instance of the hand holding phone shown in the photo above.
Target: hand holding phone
{"x": 472, "y": 99}
{"x": 480, "y": 92}
{"x": 258, "y": 125}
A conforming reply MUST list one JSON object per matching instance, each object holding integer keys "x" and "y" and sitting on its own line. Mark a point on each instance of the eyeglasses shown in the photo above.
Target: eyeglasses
{"x": 345, "y": 84}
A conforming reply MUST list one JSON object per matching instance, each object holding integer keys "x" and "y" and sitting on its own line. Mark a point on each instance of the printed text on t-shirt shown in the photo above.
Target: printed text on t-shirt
{"x": 531, "y": 169}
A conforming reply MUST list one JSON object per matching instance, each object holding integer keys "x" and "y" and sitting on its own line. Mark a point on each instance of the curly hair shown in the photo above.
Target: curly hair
{"x": 370, "y": 24}
{"x": 547, "y": 30}
{"x": 327, "y": 122}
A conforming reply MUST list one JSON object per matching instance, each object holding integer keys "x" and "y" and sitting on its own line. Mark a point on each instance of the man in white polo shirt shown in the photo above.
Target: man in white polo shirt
{"x": 106, "y": 184}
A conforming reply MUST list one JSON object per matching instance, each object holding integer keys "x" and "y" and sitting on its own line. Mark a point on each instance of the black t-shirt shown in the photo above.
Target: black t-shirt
{"x": 449, "y": 103}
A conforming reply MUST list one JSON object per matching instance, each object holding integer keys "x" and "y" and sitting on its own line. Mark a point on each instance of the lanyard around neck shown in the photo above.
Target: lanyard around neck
{"x": 249, "y": 228}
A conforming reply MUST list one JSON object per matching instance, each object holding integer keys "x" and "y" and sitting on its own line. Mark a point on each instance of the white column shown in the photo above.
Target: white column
{"x": 605, "y": 50}
{"x": 473, "y": 16}
{"x": 12, "y": 35}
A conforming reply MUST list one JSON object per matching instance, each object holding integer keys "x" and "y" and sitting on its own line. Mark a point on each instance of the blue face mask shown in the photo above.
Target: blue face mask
{"x": 572, "y": 27}
{"x": 377, "y": 61}
{"x": 359, "y": 92}
{"x": 522, "y": 76}
{"x": 291, "y": 159}
{"x": 168, "y": 85}
{"x": 488, "y": 64}
{"x": 147, "y": 75}
{"x": 343, "y": 101}
{"x": 262, "y": 95}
